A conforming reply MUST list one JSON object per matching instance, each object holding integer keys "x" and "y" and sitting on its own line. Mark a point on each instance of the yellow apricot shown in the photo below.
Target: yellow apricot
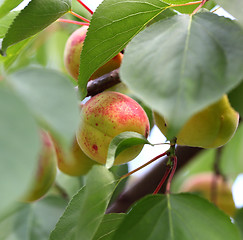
{"x": 211, "y": 187}
{"x": 76, "y": 162}
{"x": 210, "y": 128}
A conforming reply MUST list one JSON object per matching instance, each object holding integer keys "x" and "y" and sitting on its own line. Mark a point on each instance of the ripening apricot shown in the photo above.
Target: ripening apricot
{"x": 210, "y": 128}
{"x": 73, "y": 51}
{"x": 105, "y": 116}
{"x": 211, "y": 187}
{"x": 74, "y": 163}
{"x": 46, "y": 171}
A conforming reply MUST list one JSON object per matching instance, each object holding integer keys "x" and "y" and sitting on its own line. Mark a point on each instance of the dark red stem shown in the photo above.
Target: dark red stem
{"x": 162, "y": 180}
{"x": 144, "y": 165}
{"x": 174, "y": 162}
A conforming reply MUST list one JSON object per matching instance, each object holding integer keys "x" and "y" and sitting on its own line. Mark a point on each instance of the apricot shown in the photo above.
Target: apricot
{"x": 210, "y": 128}
{"x": 46, "y": 171}
{"x": 105, "y": 116}
{"x": 73, "y": 51}
{"x": 203, "y": 185}
{"x": 76, "y": 163}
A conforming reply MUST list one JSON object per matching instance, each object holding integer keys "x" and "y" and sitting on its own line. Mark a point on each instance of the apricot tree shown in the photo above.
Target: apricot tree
{"x": 129, "y": 65}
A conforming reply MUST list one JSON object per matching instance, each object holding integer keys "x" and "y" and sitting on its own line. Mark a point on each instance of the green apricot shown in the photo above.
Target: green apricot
{"x": 105, "y": 116}
{"x": 210, "y": 128}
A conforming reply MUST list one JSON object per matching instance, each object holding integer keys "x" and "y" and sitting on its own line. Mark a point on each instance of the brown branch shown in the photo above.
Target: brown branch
{"x": 102, "y": 83}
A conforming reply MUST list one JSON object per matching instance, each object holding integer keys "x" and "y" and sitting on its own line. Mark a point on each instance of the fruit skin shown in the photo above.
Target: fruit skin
{"x": 103, "y": 117}
{"x": 77, "y": 163}
{"x": 210, "y": 128}
{"x": 72, "y": 54}
{"x": 203, "y": 185}
{"x": 46, "y": 171}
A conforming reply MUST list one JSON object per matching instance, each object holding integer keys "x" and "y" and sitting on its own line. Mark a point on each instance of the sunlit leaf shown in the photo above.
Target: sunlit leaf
{"x": 113, "y": 25}
{"x": 36, "y": 16}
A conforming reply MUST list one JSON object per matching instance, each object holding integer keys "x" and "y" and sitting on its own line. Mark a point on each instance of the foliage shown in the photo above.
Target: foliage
{"x": 177, "y": 61}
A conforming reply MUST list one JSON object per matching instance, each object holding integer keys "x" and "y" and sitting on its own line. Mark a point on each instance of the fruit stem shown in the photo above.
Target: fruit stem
{"x": 185, "y": 4}
{"x": 162, "y": 180}
{"x": 80, "y": 17}
{"x": 144, "y": 165}
{"x": 73, "y": 22}
{"x": 202, "y": 3}
{"x": 85, "y": 6}
{"x": 174, "y": 164}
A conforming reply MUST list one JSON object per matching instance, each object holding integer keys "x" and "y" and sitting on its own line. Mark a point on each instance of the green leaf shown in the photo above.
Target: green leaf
{"x": 113, "y": 25}
{"x": 69, "y": 184}
{"x": 5, "y": 23}
{"x": 108, "y": 226}
{"x": 118, "y": 171}
{"x": 180, "y": 216}
{"x": 203, "y": 162}
{"x": 173, "y": 75}
{"x": 36, "y": 16}
{"x": 7, "y": 6}
{"x": 121, "y": 142}
{"x": 43, "y": 91}
{"x": 67, "y": 224}
{"x": 239, "y": 220}
{"x": 19, "y": 147}
{"x": 99, "y": 188}
{"x": 231, "y": 163}
{"x": 234, "y": 7}
{"x": 86, "y": 210}
{"x": 14, "y": 52}
{"x": 32, "y": 221}
{"x": 183, "y": 9}
{"x": 235, "y": 97}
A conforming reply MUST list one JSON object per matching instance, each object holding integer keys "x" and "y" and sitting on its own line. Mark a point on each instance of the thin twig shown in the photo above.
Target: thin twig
{"x": 73, "y": 22}
{"x": 85, "y": 6}
{"x": 144, "y": 165}
{"x": 162, "y": 180}
{"x": 80, "y": 17}
{"x": 171, "y": 174}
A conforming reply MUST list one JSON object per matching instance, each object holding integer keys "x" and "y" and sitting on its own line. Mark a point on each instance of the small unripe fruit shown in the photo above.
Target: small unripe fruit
{"x": 105, "y": 116}
{"x": 73, "y": 51}
{"x": 204, "y": 185}
{"x": 46, "y": 171}
{"x": 210, "y": 128}
{"x": 76, "y": 162}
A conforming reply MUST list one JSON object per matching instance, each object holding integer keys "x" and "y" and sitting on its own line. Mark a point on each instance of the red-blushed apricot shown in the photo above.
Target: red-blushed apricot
{"x": 210, "y": 128}
{"x": 73, "y": 51}
{"x": 74, "y": 163}
{"x": 105, "y": 116}
{"x": 46, "y": 171}
{"x": 203, "y": 185}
